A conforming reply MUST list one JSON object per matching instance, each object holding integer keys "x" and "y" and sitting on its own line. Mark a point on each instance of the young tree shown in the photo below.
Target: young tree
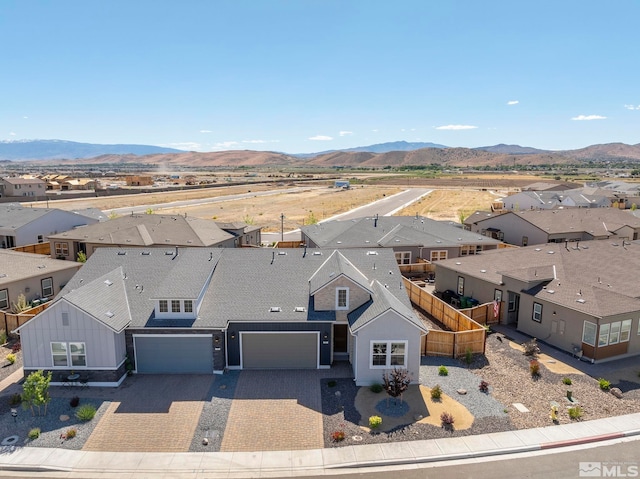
{"x": 35, "y": 392}
{"x": 82, "y": 258}
{"x": 396, "y": 382}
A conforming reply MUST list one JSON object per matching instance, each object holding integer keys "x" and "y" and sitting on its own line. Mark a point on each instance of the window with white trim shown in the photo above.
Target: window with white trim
{"x": 47, "y": 287}
{"x": 603, "y": 338}
{"x": 470, "y": 249}
{"x": 71, "y": 354}
{"x": 614, "y": 333}
{"x": 460, "y": 286}
{"x": 342, "y": 298}
{"x": 438, "y": 255}
{"x": 175, "y": 305}
{"x": 188, "y": 306}
{"x": 4, "y": 299}
{"x": 388, "y": 354}
{"x": 589, "y": 330}
{"x": 40, "y": 239}
{"x": 164, "y": 306}
{"x": 403, "y": 257}
{"x": 625, "y": 330}
{"x": 537, "y": 312}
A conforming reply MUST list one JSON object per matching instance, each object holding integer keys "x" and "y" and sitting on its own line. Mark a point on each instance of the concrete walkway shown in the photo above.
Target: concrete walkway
{"x": 85, "y": 464}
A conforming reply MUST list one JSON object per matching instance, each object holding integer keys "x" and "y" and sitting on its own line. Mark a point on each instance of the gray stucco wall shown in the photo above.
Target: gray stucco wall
{"x": 388, "y": 327}
{"x": 514, "y": 228}
{"x": 34, "y": 284}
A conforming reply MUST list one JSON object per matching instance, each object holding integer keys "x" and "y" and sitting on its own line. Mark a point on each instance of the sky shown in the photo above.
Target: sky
{"x": 301, "y": 76}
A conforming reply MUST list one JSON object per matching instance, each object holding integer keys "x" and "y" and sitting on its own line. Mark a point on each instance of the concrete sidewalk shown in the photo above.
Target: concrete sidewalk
{"x": 76, "y": 464}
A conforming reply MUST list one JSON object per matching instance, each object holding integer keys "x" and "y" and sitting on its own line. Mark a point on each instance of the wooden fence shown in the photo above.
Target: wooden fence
{"x": 11, "y": 321}
{"x": 37, "y": 248}
{"x": 484, "y": 314}
{"x": 465, "y": 335}
{"x": 417, "y": 268}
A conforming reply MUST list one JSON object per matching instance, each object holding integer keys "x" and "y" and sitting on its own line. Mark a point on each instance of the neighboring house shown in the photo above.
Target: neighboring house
{"x": 145, "y": 231}
{"x": 206, "y": 310}
{"x": 411, "y": 237}
{"x": 247, "y": 235}
{"x": 37, "y": 277}
{"x": 544, "y": 186}
{"x": 578, "y": 297}
{"x": 78, "y": 184}
{"x": 137, "y": 180}
{"x": 21, "y": 226}
{"x": 551, "y": 199}
{"x": 19, "y": 187}
{"x": 557, "y": 226}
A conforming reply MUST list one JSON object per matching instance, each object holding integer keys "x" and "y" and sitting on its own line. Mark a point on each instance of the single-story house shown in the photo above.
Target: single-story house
{"x": 582, "y": 297}
{"x": 144, "y": 231}
{"x": 411, "y": 237}
{"x": 206, "y": 310}
{"x": 21, "y": 226}
{"x": 36, "y": 276}
{"x": 529, "y": 227}
{"x": 247, "y": 235}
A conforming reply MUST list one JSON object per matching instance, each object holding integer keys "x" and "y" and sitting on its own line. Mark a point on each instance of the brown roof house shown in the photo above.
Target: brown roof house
{"x": 582, "y": 297}
{"x": 19, "y": 187}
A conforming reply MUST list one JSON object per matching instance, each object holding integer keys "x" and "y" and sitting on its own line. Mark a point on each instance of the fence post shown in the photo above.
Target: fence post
{"x": 453, "y": 351}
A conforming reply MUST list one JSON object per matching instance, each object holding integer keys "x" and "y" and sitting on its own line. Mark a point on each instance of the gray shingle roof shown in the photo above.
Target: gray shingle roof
{"x": 16, "y": 266}
{"x": 14, "y": 216}
{"x": 390, "y": 231}
{"x": 336, "y": 265}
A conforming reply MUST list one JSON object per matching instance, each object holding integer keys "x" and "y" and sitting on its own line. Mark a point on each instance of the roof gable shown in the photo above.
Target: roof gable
{"x": 335, "y": 266}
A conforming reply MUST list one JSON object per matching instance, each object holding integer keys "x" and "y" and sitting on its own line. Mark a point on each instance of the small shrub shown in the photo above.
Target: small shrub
{"x": 531, "y": 348}
{"x": 71, "y": 433}
{"x": 15, "y": 399}
{"x": 468, "y": 356}
{"x": 3, "y": 336}
{"x": 375, "y": 422}
{"x": 332, "y": 383}
{"x": 575, "y": 413}
{"x": 447, "y": 420}
{"x": 337, "y": 436}
{"x": 376, "y": 388}
{"x": 604, "y": 384}
{"x": 566, "y": 381}
{"x": 86, "y": 412}
{"x": 16, "y": 347}
{"x": 534, "y": 368}
{"x": 484, "y": 386}
{"x": 443, "y": 371}
{"x": 34, "y": 433}
{"x": 436, "y": 392}
{"x": 75, "y": 400}
{"x": 11, "y": 358}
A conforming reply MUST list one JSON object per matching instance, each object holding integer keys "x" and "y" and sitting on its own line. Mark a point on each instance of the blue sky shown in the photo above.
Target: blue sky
{"x": 312, "y": 75}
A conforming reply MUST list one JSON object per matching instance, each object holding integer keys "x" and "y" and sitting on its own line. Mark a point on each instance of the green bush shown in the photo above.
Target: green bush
{"x": 3, "y": 336}
{"x": 566, "y": 381}
{"x": 71, "y": 433}
{"x": 468, "y": 356}
{"x": 604, "y": 384}
{"x": 443, "y": 371}
{"x": 86, "y": 412}
{"x": 34, "y": 433}
{"x": 575, "y": 412}
{"x": 436, "y": 392}
{"x": 11, "y": 358}
{"x": 376, "y": 388}
{"x": 534, "y": 368}
{"x": 15, "y": 399}
{"x": 375, "y": 422}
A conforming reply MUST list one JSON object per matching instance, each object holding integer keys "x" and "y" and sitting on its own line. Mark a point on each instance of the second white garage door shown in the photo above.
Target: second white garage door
{"x": 280, "y": 350}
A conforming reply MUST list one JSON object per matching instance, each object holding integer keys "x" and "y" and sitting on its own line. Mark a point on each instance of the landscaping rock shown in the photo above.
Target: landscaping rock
{"x": 205, "y": 442}
{"x": 64, "y": 418}
{"x": 462, "y": 392}
{"x": 616, "y": 392}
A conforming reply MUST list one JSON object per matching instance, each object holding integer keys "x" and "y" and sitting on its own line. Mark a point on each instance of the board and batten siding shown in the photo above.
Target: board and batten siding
{"x": 105, "y": 348}
{"x": 387, "y": 327}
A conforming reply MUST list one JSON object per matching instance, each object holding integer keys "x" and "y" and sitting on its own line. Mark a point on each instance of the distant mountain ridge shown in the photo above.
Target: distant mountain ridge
{"x": 17, "y": 150}
{"x": 378, "y": 148}
{"x": 512, "y": 149}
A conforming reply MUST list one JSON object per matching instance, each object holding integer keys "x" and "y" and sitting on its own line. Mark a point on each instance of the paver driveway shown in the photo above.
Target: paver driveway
{"x": 277, "y": 410}
{"x": 152, "y": 414}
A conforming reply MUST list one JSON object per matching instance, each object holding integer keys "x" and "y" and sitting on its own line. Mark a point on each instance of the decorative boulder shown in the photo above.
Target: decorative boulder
{"x": 205, "y": 442}
{"x": 462, "y": 392}
{"x": 616, "y": 392}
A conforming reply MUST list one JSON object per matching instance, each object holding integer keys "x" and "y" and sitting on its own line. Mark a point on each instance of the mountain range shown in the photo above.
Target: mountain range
{"x": 394, "y": 154}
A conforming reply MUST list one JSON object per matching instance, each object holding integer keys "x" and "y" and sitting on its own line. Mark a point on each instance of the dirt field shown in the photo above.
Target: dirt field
{"x": 451, "y": 204}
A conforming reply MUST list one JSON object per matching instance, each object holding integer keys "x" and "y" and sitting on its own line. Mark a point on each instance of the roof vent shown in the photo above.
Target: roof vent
{"x": 145, "y": 253}
{"x": 122, "y": 253}
{"x": 550, "y": 291}
{"x": 109, "y": 314}
{"x": 317, "y": 253}
{"x": 41, "y": 266}
{"x": 275, "y": 309}
{"x": 438, "y": 241}
{"x": 128, "y": 241}
{"x": 483, "y": 270}
{"x": 537, "y": 249}
{"x": 282, "y": 253}
{"x": 550, "y": 252}
{"x": 458, "y": 262}
{"x": 580, "y": 300}
{"x": 300, "y": 309}
{"x": 3, "y": 275}
{"x": 339, "y": 242}
{"x": 372, "y": 253}
{"x": 108, "y": 282}
{"x": 168, "y": 253}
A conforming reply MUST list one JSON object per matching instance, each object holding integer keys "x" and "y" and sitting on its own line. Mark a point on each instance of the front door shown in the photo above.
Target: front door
{"x": 513, "y": 308}
{"x": 340, "y": 343}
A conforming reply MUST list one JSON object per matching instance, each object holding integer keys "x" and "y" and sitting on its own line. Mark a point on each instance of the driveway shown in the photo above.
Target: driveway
{"x": 151, "y": 413}
{"x": 277, "y": 410}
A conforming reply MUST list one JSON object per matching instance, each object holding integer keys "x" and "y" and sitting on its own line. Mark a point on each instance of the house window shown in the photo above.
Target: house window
{"x": 388, "y": 354}
{"x": 164, "y": 306}
{"x": 497, "y": 295}
{"x": 65, "y": 318}
{"x": 4, "y": 299}
{"x": 40, "y": 239}
{"x": 537, "y": 312}
{"x": 438, "y": 255}
{"x": 342, "y": 298}
{"x": 589, "y": 333}
{"x": 61, "y": 249}
{"x": 68, "y": 354}
{"x": 603, "y": 339}
{"x": 403, "y": 257}
{"x": 625, "y": 330}
{"x": 188, "y": 306}
{"x": 470, "y": 250}
{"x": 460, "y": 285}
{"x": 525, "y": 240}
{"x": 47, "y": 287}
{"x": 614, "y": 333}
{"x": 175, "y": 305}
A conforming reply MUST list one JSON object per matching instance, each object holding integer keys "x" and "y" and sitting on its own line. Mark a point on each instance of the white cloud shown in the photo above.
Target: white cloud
{"x": 25, "y": 117}
{"x": 206, "y": 131}
{"x": 225, "y": 144}
{"x": 321, "y": 138}
{"x": 13, "y": 133}
{"x": 456, "y": 127}
{"x": 513, "y": 102}
{"x": 346, "y": 133}
{"x": 588, "y": 117}
{"x": 186, "y": 145}
{"x": 254, "y": 141}
{"x": 375, "y": 131}
{"x": 632, "y": 107}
